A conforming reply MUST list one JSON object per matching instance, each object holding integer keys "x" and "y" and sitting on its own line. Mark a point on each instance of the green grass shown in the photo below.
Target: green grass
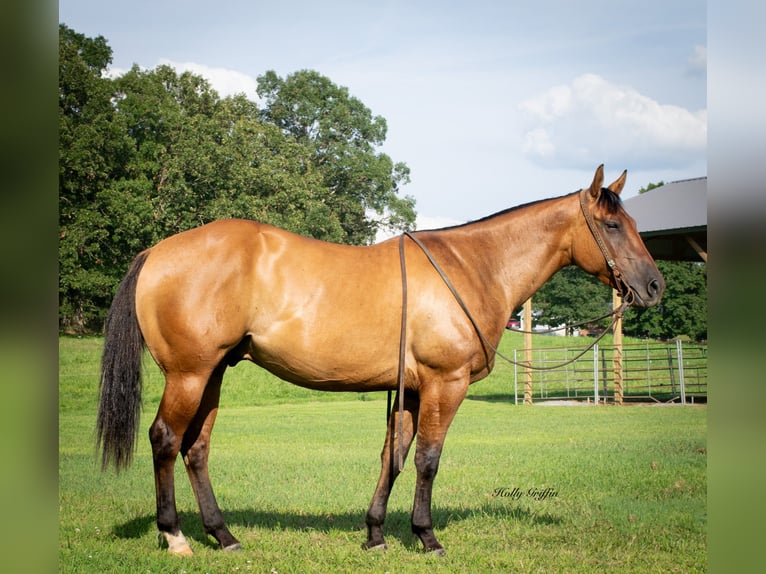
{"x": 294, "y": 471}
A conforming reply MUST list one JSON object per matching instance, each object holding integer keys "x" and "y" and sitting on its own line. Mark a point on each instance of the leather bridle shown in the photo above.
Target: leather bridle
{"x": 622, "y": 286}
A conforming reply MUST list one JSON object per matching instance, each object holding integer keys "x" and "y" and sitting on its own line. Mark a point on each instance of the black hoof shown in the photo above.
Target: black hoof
{"x": 374, "y": 545}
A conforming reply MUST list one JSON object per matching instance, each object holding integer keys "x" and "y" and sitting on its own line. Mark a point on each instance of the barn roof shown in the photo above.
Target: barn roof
{"x": 672, "y": 219}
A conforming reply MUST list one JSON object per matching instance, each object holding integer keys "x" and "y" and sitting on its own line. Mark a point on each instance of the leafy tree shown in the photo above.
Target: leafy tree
{"x": 650, "y": 187}
{"x": 571, "y": 296}
{"x": 343, "y": 135}
{"x": 93, "y": 147}
{"x": 172, "y": 120}
{"x": 682, "y": 312}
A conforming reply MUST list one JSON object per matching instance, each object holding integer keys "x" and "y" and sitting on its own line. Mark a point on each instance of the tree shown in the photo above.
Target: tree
{"x": 682, "y": 312}
{"x": 571, "y": 296}
{"x": 267, "y": 176}
{"x": 343, "y": 135}
{"x": 172, "y": 121}
{"x": 93, "y": 148}
{"x": 650, "y": 187}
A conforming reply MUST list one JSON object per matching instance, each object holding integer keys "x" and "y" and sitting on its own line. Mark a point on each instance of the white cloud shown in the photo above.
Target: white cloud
{"x": 223, "y": 80}
{"x": 592, "y": 121}
{"x": 537, "y": 142}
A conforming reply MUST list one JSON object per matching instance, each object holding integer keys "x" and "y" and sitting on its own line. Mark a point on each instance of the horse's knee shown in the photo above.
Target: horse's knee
{"x": 427, "y": 462}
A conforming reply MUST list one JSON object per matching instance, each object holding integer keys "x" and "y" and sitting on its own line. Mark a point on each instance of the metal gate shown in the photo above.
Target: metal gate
{"x": 661, "y": 372}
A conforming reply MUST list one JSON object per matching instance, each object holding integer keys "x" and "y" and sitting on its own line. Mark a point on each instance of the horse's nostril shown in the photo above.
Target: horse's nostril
{"x": 653, "y": 288}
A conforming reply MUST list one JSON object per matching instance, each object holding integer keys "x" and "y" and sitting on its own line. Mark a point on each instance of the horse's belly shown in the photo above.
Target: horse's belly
{"x": 327, "y": 368}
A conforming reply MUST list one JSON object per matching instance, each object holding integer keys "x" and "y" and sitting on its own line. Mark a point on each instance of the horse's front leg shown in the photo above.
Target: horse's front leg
{"x": 438, "y": 405}
{"x": 390, "y": 469}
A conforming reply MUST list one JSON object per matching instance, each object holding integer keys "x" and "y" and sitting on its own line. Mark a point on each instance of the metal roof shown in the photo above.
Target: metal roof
{"x": 672, "y": 219}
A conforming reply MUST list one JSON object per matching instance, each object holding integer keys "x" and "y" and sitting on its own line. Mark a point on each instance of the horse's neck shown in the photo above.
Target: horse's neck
{"x": 524, "y": 247}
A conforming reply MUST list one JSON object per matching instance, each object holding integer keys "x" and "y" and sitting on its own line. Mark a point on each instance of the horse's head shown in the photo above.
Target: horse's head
{"x": 610, "y": 247}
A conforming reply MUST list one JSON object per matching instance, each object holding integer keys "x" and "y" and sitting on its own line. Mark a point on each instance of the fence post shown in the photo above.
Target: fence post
{"x": 681, "y": 383}
{"x": 617, "y": 351}
{"x": 669, "y": 353}
{"x": 527, "y": 316}
{"x": 648, "y": 359}
{"x": 595, "y": 373}
{"x": 515, "y": 379}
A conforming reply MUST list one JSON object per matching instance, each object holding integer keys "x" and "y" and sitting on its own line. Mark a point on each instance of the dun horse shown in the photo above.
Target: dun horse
{"x": 328, "y": 317}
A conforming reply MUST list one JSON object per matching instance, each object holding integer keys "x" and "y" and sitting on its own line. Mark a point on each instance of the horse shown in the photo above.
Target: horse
{"x": 328, "y": 317}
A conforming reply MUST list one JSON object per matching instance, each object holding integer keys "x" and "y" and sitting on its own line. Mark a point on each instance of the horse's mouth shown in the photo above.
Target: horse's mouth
{"x": 648, "y": 296}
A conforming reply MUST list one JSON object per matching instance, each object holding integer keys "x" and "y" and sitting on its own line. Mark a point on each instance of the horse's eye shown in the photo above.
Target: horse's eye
{"x": 612, "y": 225}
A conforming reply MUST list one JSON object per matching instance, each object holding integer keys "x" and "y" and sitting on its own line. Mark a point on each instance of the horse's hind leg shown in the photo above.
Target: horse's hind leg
{"x": 180, "y": 406}
{"x": 195, "y": 449}
{"x": 390, "y": 469}
{"x": 165, "y": 434}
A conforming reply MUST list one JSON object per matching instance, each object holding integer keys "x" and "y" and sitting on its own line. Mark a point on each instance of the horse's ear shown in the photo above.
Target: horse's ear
{"x": 619, "y": 183}
{"x": 598, "y": 182}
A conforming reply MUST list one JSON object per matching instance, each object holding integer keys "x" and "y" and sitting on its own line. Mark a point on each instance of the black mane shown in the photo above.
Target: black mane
{"x": 608, "y": 199}
{"x": 493, "y": 215}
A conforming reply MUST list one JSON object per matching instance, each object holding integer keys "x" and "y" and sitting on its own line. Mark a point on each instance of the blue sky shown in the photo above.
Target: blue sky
{"x": 491, "y": 103}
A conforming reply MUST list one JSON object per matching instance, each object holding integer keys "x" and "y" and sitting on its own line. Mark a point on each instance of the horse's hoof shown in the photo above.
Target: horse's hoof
{"x": 177, "y": 544}
{"x": 369, "y": 545}
{"x": 236, "y": 547}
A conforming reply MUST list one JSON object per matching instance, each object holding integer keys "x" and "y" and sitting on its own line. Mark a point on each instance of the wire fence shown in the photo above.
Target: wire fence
{"x": 661, "y": 372}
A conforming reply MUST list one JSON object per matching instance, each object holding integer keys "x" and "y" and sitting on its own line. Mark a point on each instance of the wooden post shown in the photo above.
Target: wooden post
{"x": 696, "y": 246}
{"x": 527, "y": 316}
{"x": 617, "y": 353}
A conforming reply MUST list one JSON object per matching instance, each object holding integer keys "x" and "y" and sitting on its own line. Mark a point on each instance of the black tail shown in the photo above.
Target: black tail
{"x": 119, "y": 409}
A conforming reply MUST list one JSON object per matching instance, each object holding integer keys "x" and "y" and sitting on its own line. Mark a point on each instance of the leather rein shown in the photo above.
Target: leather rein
{"x": 626, "y": 292}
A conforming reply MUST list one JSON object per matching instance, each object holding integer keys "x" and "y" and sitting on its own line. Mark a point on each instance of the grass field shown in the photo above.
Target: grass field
{"x": 294, "y": 471}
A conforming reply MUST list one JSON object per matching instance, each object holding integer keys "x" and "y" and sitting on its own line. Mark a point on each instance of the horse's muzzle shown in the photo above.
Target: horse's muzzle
{"x": 651, "y": 294}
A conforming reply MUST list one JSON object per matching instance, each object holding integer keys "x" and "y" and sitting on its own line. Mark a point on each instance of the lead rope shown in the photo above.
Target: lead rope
{"x": 402, "y": 356}
{"x": 625, "y": 291}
